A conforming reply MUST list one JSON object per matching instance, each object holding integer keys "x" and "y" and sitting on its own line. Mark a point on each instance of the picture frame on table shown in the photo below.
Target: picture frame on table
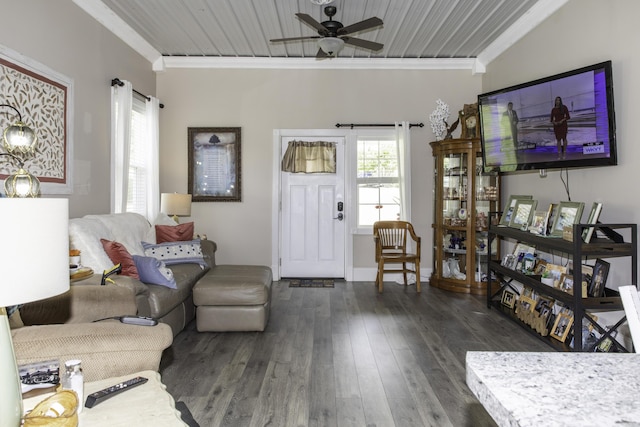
{"x": 599, "y": 278}
{"x": 214, "y": 164}
{"x": 539, "y": 222}
{"x": 505, "y": 219}
{"x": 569, "y": 213}
{"x": 522, "y": 213}
{"x": 562, "y": 326}
{"x": 594, "y": 214}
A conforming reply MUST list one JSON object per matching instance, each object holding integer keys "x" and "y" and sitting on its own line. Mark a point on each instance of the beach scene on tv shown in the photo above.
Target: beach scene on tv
{"x": 561, "y": 121}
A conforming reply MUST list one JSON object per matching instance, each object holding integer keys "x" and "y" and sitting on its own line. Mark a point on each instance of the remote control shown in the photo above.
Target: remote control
{"x": 139, "y": 320}
{"x": 100, "y": 396}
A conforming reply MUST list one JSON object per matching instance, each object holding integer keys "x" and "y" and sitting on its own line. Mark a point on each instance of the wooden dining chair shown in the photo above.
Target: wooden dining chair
{"x": 391, "y": 238}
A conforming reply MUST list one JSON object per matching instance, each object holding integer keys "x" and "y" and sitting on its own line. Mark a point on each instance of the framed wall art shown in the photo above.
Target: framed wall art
{"x": 214, "y": 164}
{"x": 44, "y": 98}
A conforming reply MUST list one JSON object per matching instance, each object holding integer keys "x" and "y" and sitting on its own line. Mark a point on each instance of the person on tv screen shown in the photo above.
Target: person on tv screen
{"x": 559, "y": 117}
{"x": 512, "y": 117}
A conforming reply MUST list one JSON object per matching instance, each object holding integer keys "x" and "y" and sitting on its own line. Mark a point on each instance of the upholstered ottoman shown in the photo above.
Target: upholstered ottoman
{"x": 233, "y": 298}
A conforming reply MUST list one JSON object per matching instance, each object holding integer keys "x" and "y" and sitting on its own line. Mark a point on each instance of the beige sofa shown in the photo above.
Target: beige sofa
{"x": 107, "y": 349}
{"x": 171, "y": 306}
{"x": 231, "y": 298}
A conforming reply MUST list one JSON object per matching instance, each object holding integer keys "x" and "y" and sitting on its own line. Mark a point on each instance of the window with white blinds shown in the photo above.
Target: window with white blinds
{"x": 138, "y": 159}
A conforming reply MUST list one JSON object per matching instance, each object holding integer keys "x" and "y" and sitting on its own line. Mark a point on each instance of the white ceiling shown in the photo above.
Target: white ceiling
{"x": 227, "y": 33}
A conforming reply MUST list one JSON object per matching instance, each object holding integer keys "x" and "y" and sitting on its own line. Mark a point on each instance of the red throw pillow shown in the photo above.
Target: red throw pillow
{"x": 120, "y": 255}
{"x": 174, "y": 233}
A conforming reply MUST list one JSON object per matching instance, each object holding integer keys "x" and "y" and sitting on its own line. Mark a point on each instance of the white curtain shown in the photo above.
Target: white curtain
{"x": 403, "y": 138}
{"x": 153, "y": 142}
{"x": 121, "y": 105}
{"x": 121, "y": 140}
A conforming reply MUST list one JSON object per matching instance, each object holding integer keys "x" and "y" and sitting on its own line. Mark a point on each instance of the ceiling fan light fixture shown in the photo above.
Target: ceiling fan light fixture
{"x": 321, "y": 2}
{"x": 331, "y": 45}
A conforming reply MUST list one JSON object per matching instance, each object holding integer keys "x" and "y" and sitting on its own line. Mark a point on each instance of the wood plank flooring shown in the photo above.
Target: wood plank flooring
{"x": 344, "y": 356}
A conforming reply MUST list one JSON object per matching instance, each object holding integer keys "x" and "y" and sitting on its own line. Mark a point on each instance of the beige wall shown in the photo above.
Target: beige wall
{"x": 63, "y": 37}
{"x": 260, "y": 101}
{"x": 581, "y": 33}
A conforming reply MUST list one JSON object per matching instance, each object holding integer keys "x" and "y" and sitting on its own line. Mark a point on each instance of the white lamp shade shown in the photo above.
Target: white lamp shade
{"x": 175, "y": 204}
{"x": 34, "y": 249}
{"x": 331, "y": 45}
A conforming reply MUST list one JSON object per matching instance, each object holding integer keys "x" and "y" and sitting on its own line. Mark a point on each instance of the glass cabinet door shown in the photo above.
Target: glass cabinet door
{"x": 455, "y": 215}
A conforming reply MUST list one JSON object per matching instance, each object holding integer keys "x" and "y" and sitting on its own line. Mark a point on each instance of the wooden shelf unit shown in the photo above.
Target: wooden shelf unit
{"x": 576, "y": 251}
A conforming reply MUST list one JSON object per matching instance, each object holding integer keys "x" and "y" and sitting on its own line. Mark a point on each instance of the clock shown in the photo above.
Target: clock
{"x": 469, "y": 119}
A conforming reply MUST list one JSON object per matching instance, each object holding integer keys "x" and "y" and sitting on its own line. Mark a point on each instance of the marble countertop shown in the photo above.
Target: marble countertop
{"x": 557, "y": 389}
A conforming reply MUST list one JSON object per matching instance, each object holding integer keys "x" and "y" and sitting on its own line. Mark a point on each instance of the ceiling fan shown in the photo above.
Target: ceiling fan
{"x": 333, "y": 35}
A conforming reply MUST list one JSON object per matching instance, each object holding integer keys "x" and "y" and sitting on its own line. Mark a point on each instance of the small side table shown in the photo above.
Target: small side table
{"x": 147, "y": 405}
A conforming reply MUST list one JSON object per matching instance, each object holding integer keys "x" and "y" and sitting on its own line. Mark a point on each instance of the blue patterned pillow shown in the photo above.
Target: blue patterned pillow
{"x": 154, "y": 271}
{"x": 176, "y": 252}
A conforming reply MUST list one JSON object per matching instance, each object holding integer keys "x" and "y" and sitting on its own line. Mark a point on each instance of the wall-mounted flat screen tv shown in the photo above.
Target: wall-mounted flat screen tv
{"x": 562, "y": 121}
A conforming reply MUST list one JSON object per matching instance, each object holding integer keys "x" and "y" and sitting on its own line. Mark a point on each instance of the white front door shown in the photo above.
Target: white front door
{"x": 312, "y": 234}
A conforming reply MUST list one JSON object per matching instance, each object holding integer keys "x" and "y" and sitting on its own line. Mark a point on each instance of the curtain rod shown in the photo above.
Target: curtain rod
{"x": 352, "y": 125}
{"x": 119, "y": 82}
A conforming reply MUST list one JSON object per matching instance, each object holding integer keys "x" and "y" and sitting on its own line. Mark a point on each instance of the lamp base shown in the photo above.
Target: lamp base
{"x": 11, "y": 400}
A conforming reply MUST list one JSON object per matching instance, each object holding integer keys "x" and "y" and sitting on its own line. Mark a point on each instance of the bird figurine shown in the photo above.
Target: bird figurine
{"x": 450, "y": 130}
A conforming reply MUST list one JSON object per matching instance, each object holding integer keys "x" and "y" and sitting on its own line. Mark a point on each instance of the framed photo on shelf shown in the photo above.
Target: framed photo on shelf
{"x": 527, "y": 304}
{"x": 596, "y": 208}
{"x": 569, "y": 213}
{"x": 505, "y": 219}
{"x": 556, "y": 271}
{"x": 522, "y": 212}
{"x": 508, "y": 298}
{"x": 599, "y": 278}
{"x": 540, "y": 267}
{"x": 562, "y": 326}
{"x": 552, "y": 212}
{"x": 539, "y": 222}
{"x": 566, "y": 283}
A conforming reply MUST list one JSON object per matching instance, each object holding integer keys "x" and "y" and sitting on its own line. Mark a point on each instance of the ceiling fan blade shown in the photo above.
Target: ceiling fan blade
{"x": 312, "y": 22}
{"x": 360, "y": 26}
{"x": 295, "y": 38}
{"x": 362, "y": 43}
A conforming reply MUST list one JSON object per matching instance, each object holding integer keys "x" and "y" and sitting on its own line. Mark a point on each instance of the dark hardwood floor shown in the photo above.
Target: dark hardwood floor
{"x": 346, "y": 356}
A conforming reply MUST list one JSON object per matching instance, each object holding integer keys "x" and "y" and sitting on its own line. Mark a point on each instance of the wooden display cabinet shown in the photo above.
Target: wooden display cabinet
{"x": 464, "y": 197}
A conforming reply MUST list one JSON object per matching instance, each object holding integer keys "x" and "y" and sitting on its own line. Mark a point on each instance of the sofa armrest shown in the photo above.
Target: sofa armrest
{"x": 106, "y": 349}
{"x": 84, "y": 302}
{"x": 209, "y": 248}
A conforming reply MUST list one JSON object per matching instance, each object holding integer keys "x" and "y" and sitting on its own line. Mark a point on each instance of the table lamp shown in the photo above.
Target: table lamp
{"x": 175, "y": 204}
{"x": 34, "y": 256}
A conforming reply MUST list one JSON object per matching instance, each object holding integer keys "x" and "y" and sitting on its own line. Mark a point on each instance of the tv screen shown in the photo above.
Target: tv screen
{"x": 562, "y": 121}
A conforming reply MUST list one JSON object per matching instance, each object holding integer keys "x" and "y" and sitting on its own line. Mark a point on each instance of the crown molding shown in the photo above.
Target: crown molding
{"x": 327, "y": 63}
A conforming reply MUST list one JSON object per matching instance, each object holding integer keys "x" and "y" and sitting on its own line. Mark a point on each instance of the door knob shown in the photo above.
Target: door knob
{"x": 340, "y": 216}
